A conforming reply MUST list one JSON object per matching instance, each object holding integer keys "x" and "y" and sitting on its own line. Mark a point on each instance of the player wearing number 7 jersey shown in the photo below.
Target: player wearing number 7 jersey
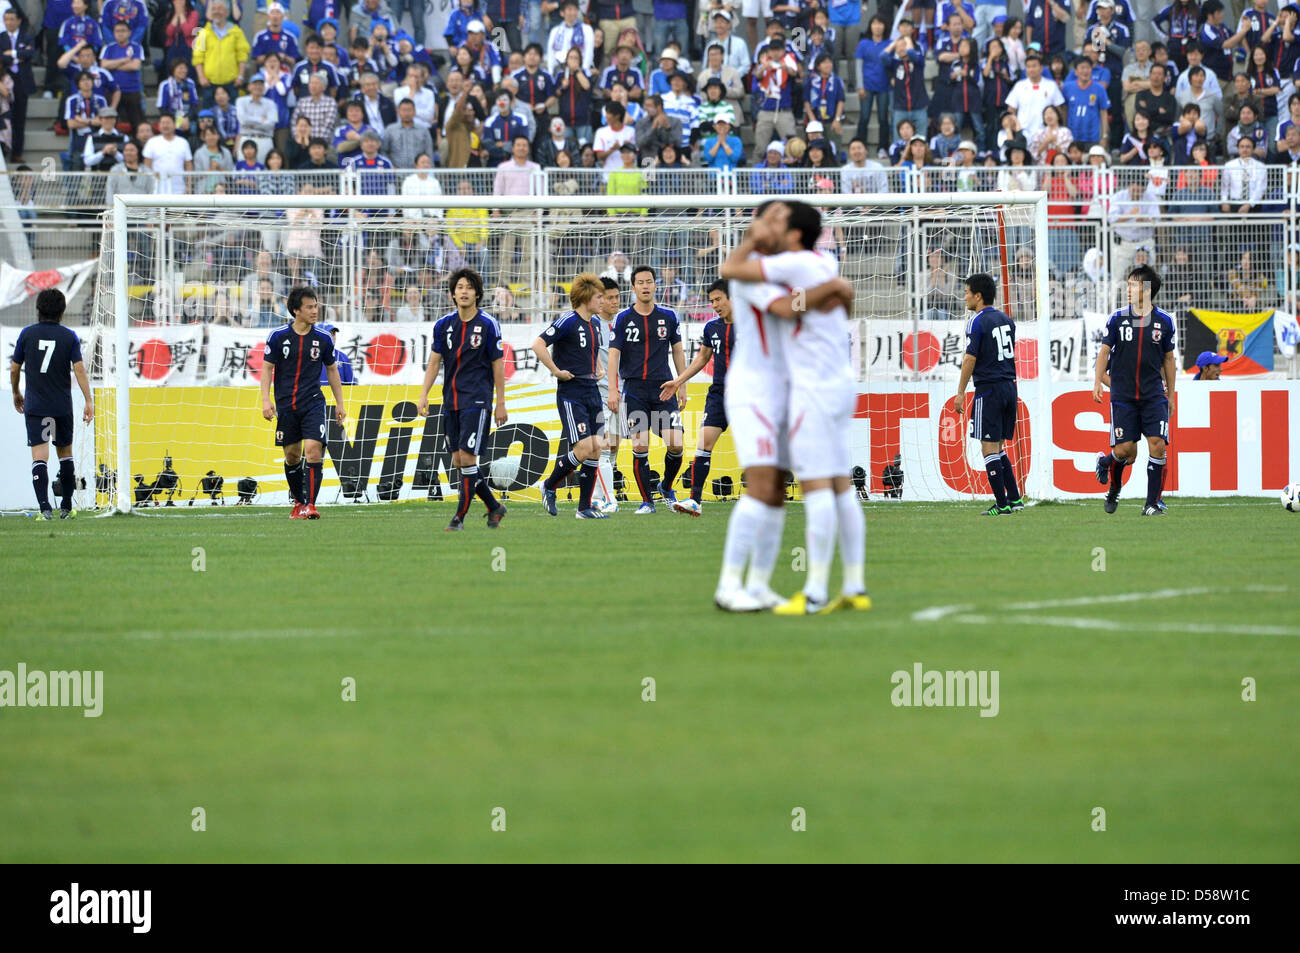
{"x": 51, "y": 354}
{"x": 467, "y": 347}
{"x": 991, "y": 361}
{"x": 293, "y": 360}
{"x": 1138, "y": 348}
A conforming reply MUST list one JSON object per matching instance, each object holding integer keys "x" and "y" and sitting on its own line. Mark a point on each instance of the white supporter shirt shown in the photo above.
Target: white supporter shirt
{"x": 817, "y": 352}
{"x": 607, "y": 138}
{"x": 757, "y": 364}
{"x": 1029, "y": 99}
{"x": 167, "y": 159}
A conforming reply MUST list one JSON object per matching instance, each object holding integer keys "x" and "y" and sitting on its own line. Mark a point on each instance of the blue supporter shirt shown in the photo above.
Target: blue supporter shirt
{"x": 299, "y": 361}
{"x": 468, "y": 349}
{"x": 75, "y": 29}
{"x": 128, "y": 81}
{"x": 131, "y": 12}
{"x": 875, "y": 72}
{"x": 1084, "y": 105}
{"x": 47, "y": 351}
{"x": 992, "y": 342}
{"x": 284, "y": 43}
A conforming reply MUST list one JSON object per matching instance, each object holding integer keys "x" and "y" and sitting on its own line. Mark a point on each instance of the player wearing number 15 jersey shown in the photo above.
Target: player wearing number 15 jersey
{"x": 1138, "y": 348}
{"x": 991, "y": 362}
{"x": 51, "y": 355}
{"x": 295, "y": 355}
{"x": 467, "y": 347}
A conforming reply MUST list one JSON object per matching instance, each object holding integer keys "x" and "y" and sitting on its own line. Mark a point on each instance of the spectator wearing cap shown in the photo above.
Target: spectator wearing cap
{"x": 717, "y": 68}
{"x": 771, "y": 176}
{"x": 824, "y": 95}
{"x": 1245, "y": 180}
{"x": 1209, "y": 366}
{"x": 986, "y": 11}
{"x": 735, "y": 51}
{"x": 407, "y": 139}
{"x": 680, "y": 104}
{"x": 723, "y": 148}
{"x": 364, "y": 16}
{"x": 713, "y": 104}
{"x": 657, "y": 128}
{"x": 341, "y": 358}
{"x": 659, "y": 79}
{"x": 275, "y": 38}
{"x": 80, "y": 111}
{"x": 773, "y": 90}
{"x": 258, "y": 116}
{"x": 570, "y": 33}
{"x": 124, "y": 58}
{"x": 318, "y": 109}
{"x": 485, "y": 55}
{"x": 103, "y": 148}
{"x": 220, "y": 51}
{"x": 457, "y": 30}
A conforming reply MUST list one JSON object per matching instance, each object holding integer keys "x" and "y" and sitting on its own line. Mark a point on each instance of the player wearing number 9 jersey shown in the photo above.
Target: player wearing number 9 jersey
{"x": 467, "y": 347}
{"x": 991, "y": 362}
{"x": 1138, "y": 349}
{"x": 295, "y": 356}
{"x": 51, "y": 354}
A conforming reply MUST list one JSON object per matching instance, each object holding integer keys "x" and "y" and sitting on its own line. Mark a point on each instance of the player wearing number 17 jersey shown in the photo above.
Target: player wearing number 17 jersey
{"x": 295, "y": 355}
{"x": 1139, "y": 350}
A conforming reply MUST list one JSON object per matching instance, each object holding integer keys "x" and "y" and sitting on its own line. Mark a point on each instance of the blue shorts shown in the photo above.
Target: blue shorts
{"x": 294, "y": 426}
{"x": 1145, "y": 418}
{"x": 650, "y": 413}
{"x": 715, "y": 411}
{"x": 581, "y": 416}
{"x": 993, "y": 414}
{"x": 465, "y": 429}
{"x": 43, "y": 430}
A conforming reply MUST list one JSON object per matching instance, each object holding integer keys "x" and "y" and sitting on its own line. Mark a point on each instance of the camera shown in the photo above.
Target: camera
{"x": 247, "y": 489}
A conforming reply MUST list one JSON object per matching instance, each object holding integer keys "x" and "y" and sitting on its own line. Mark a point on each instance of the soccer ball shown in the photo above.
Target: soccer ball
{"x": 502, "y": 472}
{"x": 1291, "y": 497}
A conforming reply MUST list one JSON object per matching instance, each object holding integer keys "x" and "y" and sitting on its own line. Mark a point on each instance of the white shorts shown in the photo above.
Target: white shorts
{"x": 757, "y": 8}
{"x": 821, "y": 423}
{"x": 757, "y": 422}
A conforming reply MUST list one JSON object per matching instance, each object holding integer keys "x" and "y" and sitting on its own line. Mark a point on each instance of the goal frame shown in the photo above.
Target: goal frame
{"x": 903, "y": 202}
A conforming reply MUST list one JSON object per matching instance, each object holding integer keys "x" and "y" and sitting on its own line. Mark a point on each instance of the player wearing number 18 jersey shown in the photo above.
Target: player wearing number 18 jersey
{"x": 296, "y": 355}
{"x": 991, "y": 362}
{"x": 1138, "y": 348}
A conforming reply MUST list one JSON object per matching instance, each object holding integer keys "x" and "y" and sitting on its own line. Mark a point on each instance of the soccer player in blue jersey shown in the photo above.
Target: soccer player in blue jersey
{"x": 643, "y": 337}
{"x": 51, "y": 355}
{"x": 293, "y": 360}
{"x": 570, "y": 349}
{"x": 467, "y": 345}
{"x": 991, "y": 362}
{"x": 715, "y": 346}
{"x": 1138, "y": 353}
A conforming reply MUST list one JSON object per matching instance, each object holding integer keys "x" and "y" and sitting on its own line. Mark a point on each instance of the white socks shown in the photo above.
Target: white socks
{"x": 766, "y": 548}
{"x": 604, "y": 489}
{"x": 819, "y": 512}
{"x": 853, "y": 541}
{"x": 743, "y": 530}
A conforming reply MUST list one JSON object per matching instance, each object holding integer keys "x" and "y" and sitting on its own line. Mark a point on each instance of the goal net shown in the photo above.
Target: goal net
{"x": 189, "y": 287}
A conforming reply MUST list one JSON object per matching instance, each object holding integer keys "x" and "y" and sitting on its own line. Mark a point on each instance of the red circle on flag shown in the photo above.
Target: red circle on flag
{"x": 255, "y": 357}
{"x": 920, "y": 351}
{"x": 1027, "y": 359}
{"x": 508, "y": 360}
{"x": 154, "y": 359}
{"x": 385, "y": 355}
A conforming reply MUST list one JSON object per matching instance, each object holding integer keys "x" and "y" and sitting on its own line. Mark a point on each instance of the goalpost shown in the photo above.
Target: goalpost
{"x": 189, "y": 285}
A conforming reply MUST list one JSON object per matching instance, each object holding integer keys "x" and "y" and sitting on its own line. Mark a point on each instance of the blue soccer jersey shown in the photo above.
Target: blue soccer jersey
{"x": 644, "y": 342}
{"x": 299, "y": 361}
{"x": 992, "y": 342}
{"x": 47, "y": 352}
{"x": 1138, "y": 345}
{"x": 468, "y": 350}
{"x": 575, "y": 347}
{"x": 718, "y": 337}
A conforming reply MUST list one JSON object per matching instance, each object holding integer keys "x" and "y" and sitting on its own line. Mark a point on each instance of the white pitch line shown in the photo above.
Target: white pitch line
{"x": 935, "y": 613}
{"x": 225, "y": 635}
{"x": 1111, "y": 625}
{"x": 1108, "y": 599}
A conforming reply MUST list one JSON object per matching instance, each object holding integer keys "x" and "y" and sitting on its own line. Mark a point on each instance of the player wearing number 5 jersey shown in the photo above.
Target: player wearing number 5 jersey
{"x": 991, "y": 362}
{"x": 1138, "y": 349}
{"x": 570, "y": 349}
{"x": 467, "y": 347}
{"x": 292, "y": 361}
{"x": 51, "y": 355}
{"x": 644, "y": 336}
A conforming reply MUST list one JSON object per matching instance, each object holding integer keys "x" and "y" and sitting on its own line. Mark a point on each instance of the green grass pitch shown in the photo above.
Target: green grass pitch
{"x": 511, "y": 677}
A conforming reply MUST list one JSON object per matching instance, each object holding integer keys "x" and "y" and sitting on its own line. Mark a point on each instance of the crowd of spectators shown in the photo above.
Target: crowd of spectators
{"x": 951, "y": 95}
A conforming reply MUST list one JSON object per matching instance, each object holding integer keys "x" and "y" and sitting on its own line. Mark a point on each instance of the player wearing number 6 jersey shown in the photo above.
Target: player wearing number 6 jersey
{"x": 821, "y": 405}
{"x": 991, "y": 362}
{"x": 51, "y": 354}
{"x": 295, "y": 355}
{"x": 570, "y": 349}
{"x": 1138, "y": 349}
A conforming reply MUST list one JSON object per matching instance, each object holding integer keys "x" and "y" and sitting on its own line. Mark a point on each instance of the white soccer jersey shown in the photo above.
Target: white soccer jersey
{"x": 757, "y": 393}
{"x": 817, "y": 349}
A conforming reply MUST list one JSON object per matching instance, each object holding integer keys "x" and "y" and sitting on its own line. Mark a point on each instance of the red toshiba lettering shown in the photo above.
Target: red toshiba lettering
{"x": 1218, "y": 439}
{"x": 953, "y": 436}
{"x": 885, "y": 412}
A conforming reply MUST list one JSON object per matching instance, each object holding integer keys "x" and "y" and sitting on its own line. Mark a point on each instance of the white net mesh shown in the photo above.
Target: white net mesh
{"x": 205, "y": 286}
